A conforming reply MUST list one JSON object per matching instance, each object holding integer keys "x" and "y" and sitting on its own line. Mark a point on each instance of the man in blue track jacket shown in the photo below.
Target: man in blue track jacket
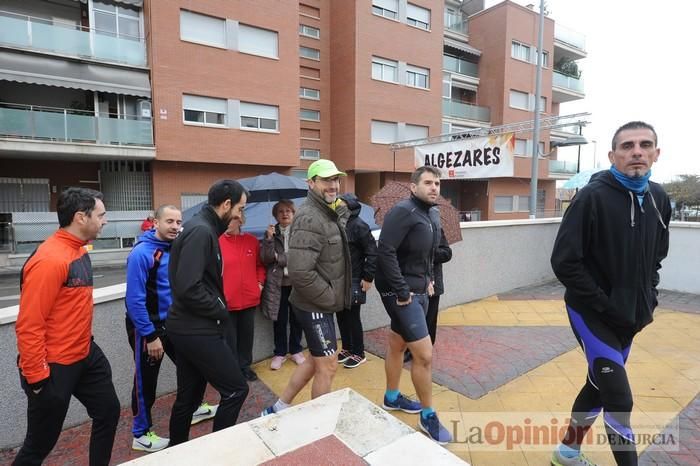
{"x": 148, "y": 298}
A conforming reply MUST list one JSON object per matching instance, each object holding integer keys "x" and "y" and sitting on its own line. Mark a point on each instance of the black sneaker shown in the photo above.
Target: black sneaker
{"x": 250, "y": 375}
{"x": 343, "y": 355}
{"x": 354, "y": 361}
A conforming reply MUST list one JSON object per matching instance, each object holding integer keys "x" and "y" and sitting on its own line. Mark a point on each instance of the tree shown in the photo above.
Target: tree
{"x": 685, "y": 190}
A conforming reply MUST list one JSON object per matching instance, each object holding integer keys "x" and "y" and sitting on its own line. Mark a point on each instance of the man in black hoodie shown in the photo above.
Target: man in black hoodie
{"x": 363, "y": 255}
{"x": 607, "y": 254}
{"x": 410, "y": 235}
{"x": 198, "y": 320}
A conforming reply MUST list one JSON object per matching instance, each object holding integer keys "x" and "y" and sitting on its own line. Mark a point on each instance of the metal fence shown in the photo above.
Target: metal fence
{"x": 26, "y": 230}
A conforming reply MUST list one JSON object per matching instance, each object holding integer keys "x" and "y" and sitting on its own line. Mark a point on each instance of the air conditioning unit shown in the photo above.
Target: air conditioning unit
{"x": 143, "y": 110}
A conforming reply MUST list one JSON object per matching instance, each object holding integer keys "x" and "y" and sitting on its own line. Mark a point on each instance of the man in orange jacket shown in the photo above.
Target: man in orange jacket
{"x": 58, "y": 357}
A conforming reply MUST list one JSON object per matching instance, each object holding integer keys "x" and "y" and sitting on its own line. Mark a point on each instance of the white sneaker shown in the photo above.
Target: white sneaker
{"x": 149, "y": 442}
{"x": 204, "y": 412}
{"x": 560, "y": 460}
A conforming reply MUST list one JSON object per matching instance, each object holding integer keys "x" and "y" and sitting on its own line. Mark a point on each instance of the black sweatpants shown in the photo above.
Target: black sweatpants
{"x": 242, "y": 334}
{"x": 90, "y": 381}
{"x": 350, "y": 326}
{"x": 146, "y": 370}
{"x": 202, "y": 359}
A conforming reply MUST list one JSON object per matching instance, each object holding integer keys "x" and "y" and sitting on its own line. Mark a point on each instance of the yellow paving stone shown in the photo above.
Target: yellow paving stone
{"x": 548, "y": 385}
{"x": 497, "y": 458}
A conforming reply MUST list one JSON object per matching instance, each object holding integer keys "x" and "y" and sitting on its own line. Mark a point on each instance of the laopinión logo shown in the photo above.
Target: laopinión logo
{"x": 498, "y": 431}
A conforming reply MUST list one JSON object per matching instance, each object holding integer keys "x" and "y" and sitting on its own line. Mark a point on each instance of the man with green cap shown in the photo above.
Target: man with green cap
{"x": 320, "y": 273}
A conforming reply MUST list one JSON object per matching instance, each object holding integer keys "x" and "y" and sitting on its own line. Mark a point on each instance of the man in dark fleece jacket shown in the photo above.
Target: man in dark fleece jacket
{"x": 410, "y": 235}
{"x": 198, "y": 321}
{"x": 607, "y": 254}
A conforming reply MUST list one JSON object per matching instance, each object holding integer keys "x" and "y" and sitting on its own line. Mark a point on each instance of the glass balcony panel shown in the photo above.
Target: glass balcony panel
{"x": 467, "y": 111}
{"x": 567, "y": 82}
{"x": 24, "y": 31}
{"x": 456, "y": 23}
{"x": 562, "y": 166}
{"x": 13, "y": 31}
{"x": 60, "y": 39}
{"x": 458, "y": 65}
{"x": 58, "y": 126}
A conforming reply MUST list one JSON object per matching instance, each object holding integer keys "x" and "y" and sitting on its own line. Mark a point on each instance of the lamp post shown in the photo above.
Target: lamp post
{"x": 536, "y": 131}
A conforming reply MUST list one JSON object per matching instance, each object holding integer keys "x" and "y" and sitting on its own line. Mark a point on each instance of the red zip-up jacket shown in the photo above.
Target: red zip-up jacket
{"x": 244, "y": 271}
{"x": 54, "y": 324}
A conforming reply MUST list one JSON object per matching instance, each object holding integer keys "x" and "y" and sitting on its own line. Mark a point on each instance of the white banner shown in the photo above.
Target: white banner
{"x": 484, "y": 157}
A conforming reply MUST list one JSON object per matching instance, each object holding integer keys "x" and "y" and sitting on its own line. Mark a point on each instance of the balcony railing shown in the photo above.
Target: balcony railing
{"x": 567, "y": 82}
{"x": 570, "y": 37}
{"x": 67, "y": 125}
{"x": 456, "y": 23}
{"x": 563, "y": 167}
{"x": 457, "y": 65}
{"x": 457, "y": 109}
{"x": 70, "y": 39}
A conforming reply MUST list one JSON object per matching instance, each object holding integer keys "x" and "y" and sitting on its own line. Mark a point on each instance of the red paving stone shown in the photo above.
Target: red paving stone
{"x": 476, "y": 360}
{"x": 326, "y": 451}
{"x": 72, "y": 446}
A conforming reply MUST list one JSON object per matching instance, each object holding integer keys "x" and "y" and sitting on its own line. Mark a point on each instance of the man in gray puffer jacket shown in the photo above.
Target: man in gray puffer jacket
{"x": 320, "y": 271}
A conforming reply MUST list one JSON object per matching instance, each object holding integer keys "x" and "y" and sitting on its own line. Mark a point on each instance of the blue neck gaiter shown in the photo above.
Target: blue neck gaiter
{"x": 636, "y": 185}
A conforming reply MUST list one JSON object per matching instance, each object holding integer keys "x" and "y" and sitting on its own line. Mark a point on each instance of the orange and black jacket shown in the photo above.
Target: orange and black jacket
{"x": 54, "y": 324}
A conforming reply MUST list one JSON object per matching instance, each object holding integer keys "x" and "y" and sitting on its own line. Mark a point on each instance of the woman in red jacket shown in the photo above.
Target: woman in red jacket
{"x": 244, "y": 276}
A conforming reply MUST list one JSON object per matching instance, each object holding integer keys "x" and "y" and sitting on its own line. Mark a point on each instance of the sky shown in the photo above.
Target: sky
{"x": 641, "y": 65}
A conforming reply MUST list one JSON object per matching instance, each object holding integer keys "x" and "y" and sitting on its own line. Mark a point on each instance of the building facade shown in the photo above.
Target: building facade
{"x": 152, "y": 101}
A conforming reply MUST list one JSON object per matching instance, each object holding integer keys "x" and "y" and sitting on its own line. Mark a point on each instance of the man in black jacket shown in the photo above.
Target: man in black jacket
{"x": 607, "y": 254}
{"x": 198, "y": 320}
{"x": 410, "y": 235}
{"x": 363, "y": 255}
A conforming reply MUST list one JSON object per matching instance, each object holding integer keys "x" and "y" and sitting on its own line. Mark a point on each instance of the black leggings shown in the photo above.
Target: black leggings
{"x": 606, "y": 389}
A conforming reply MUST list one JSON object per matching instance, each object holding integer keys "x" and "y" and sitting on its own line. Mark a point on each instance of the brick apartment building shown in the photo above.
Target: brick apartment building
{"x": 151, "y": 101}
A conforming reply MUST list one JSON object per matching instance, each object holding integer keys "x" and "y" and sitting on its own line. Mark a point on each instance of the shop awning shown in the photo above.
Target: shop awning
{"x": 34, "y": 69}
{"x": 137, "y": 3}
{"x": 462, "y": 46}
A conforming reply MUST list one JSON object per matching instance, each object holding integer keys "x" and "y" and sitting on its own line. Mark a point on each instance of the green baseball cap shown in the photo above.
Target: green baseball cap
{"x": 323, "y": 168}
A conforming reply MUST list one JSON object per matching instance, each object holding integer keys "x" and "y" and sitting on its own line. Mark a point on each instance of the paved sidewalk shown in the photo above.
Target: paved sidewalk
{"x": 494, "y": 358}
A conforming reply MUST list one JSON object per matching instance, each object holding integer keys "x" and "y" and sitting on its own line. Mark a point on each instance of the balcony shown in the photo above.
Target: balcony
{"x": 456, "y": 23}
{"x": 566, "y": 88}
{"x": 562, "y": 169}
{"x": 69, "y": 39}
{"x": 457, "y": 65}
{"x": 455, "y": 109}
{"x": 568, "y": 43}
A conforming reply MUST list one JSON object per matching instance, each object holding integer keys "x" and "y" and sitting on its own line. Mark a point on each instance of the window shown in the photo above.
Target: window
{"x": 417, "y": 77}
{"x": 543, "y": 104}
{"x": 257, "y": 41}
{"x": 520, "y": 147}
{"x": 310, "y": 154}
{"x": 386, "y": 8}
{"x": 415, "y": 132}
{"x": 308, "y": 10}
{"x": 417, "y": 16}
{"x": 311, "y": 73}
{"x": 312, "y": 134}
{"x": 385, "y": 70}
{"x": 384, "y": 132}
{"x": 519, "y": 100}
{"x": 202, "y": 29}
{"x": 311, "y": 115}
{"x": 204, "y": 111}
{"x": 117, "y": 20}
{"x": 545, "y": 59}
{"x": 309, "y": 31}
{"x": 503, "y": 204}
{"x": 308, "y": 52}
{"x": 523, "y": 203}
{"x": 308, "y": 93}
{"x": 520, "y": 51}
{"x": 259, "y": 117}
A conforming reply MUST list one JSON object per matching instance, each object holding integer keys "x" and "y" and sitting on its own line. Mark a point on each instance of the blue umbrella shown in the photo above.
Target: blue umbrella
{"x": 258, "y": 215}
{"x": 580, "y": 179}
{"x": 273, "y": 187}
